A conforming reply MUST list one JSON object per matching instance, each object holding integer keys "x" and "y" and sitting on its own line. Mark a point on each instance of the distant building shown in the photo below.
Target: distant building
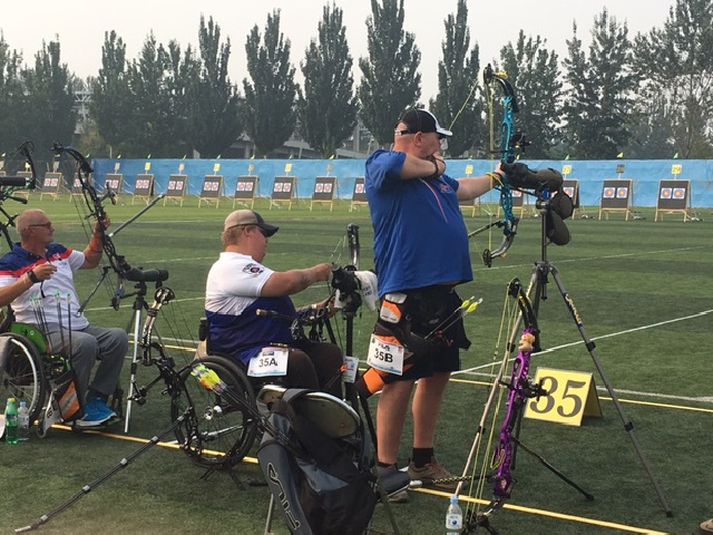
{"x": 82, "y": 100}
{"x": 359, "y": 145}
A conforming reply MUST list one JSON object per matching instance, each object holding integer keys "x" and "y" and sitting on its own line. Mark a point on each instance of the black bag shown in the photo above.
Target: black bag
{"x": 323, "y": 484}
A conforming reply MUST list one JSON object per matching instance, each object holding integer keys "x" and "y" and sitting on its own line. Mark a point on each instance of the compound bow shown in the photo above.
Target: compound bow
{"x": 8, "y": 185}
{"x": 520, "y": 389}
{"x": 95, "y": 206}
{"x": 510, "y": 140}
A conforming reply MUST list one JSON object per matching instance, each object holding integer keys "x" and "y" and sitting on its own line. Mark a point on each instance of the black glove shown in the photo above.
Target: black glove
{"x": 521, "y": 176}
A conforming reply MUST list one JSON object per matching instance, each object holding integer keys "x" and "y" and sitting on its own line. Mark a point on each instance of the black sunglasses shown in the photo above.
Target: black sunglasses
{"x": 247, "y": 225}
{"x": 408, "y": 132}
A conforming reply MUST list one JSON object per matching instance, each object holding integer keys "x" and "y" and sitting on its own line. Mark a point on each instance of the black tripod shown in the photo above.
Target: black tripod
{"x": 538, "y": 284}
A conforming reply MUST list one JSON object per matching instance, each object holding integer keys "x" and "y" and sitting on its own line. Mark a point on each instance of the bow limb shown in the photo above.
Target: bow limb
{"x": 11, "y": 184}
{"x": 26, "y": 149}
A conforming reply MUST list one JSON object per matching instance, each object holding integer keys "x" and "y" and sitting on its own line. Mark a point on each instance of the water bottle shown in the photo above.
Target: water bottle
{"x": 454, "y": 517}
{"x": 11, "y": 421}
{"x": 23, "y": 421}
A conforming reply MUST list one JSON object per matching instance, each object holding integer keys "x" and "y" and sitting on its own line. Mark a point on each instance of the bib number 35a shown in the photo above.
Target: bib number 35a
{"x": 270, "y": 362}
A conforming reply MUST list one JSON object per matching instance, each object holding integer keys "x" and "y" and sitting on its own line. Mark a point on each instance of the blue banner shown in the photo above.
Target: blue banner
{"x": 646, "y": 175}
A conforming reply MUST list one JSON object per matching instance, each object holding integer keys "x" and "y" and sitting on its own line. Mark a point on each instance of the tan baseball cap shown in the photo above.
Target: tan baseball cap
{"x": 249, "y": 217}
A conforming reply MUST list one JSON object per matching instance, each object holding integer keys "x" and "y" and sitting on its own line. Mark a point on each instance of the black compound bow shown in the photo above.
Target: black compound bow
{"x": 95, "y": 206}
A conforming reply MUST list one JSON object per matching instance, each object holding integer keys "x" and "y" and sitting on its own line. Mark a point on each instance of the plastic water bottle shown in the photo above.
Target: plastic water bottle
{"x": 23, "y": 421}
{"x": 454, "y": 517}
{"x": 11, "y": 421}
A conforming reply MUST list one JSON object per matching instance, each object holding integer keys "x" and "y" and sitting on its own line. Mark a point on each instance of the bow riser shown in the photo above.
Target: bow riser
{"x": 519, "y": 391}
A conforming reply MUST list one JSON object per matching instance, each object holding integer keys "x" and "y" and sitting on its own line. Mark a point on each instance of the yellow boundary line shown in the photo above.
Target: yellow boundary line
{"x": 629, "y": 401}
{"x": 550, "y": 514}
{"x": 509, "y": 506}
{"x": 129, "y": 438}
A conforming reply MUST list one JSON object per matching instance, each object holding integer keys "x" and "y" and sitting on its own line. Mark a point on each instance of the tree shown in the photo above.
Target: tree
{"x": 651, "y": 132}
{"x": 676, "y": 65}
{"x": 270, "y": 115}
{"x": 600, "y": 99}
{"x": 152, "y": 107}
{"x": 158, "y": 93}
{"x": 112, "y": 107}
{"x": 390, "y": 81}
{"x": 182, "y": 72}
{"x": 48, "y": 109}
{"x": 328, "y": 108}
{"x": 459, "y": 100}
{"x": 215, "y": 111}
{"x": 11, "y": 95}
{"x": 534, "y": 72}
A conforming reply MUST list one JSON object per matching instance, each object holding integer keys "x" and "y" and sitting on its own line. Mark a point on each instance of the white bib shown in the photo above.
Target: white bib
{"x": 272, "y": 361}
{"x": 386, "y": 354}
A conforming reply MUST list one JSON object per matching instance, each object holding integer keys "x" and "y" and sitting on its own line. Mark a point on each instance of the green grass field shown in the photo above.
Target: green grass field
{"x": 643, "y": 289}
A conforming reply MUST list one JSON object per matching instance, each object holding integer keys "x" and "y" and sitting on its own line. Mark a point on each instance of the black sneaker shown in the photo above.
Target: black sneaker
{"x": 390, "y": 477}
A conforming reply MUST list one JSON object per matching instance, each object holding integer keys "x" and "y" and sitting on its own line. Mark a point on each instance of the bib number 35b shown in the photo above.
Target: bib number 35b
{"x": 386, "y": 354}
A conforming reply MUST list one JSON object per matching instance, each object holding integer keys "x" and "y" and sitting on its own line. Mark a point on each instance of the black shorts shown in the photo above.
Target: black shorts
{"x": 424, "y": 310}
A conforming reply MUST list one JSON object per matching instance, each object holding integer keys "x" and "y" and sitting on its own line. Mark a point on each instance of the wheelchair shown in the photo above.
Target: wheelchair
{"x": 29, "y": 371}
{"x": 250, "y": 406}
{"x": 216, "y": 431}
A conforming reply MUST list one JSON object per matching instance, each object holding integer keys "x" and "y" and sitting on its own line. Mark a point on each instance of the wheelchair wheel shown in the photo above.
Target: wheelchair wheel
{"x": 22, "y": 375}
{"x": 220, "y": 428}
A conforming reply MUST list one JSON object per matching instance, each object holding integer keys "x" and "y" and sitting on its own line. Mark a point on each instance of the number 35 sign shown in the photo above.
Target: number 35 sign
{"x": 570, "y": 397}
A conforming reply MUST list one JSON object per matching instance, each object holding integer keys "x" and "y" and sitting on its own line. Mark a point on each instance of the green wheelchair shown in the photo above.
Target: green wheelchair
{"x": 30, "y": 372}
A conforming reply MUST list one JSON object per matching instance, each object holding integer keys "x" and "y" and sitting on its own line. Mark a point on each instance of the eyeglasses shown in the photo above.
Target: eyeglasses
{"x": 47, "y": 225}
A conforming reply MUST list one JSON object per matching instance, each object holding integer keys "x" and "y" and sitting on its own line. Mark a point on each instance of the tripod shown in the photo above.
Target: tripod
{"x": 140, "y": 278}
{"x": 138, "y": 307}
{"x": 538, "y": 287}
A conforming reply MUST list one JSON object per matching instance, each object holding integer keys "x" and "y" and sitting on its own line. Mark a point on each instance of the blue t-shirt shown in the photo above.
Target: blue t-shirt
{"x": 420, "y": 238}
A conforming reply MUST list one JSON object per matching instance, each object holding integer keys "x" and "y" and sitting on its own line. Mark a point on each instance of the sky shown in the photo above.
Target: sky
{"x": 81, "y": 24}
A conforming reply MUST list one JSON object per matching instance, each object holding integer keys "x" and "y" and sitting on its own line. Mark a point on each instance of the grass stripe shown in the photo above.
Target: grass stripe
{"x": 510, "y": 506}
{"x": 601, "y": 337}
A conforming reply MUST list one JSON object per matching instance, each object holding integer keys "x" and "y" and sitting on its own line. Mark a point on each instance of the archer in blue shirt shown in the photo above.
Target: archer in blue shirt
{"x": 421, "y": 253}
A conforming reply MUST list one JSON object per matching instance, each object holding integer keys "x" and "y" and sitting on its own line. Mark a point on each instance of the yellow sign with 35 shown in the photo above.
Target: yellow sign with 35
{"x": 570, "y": 397}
